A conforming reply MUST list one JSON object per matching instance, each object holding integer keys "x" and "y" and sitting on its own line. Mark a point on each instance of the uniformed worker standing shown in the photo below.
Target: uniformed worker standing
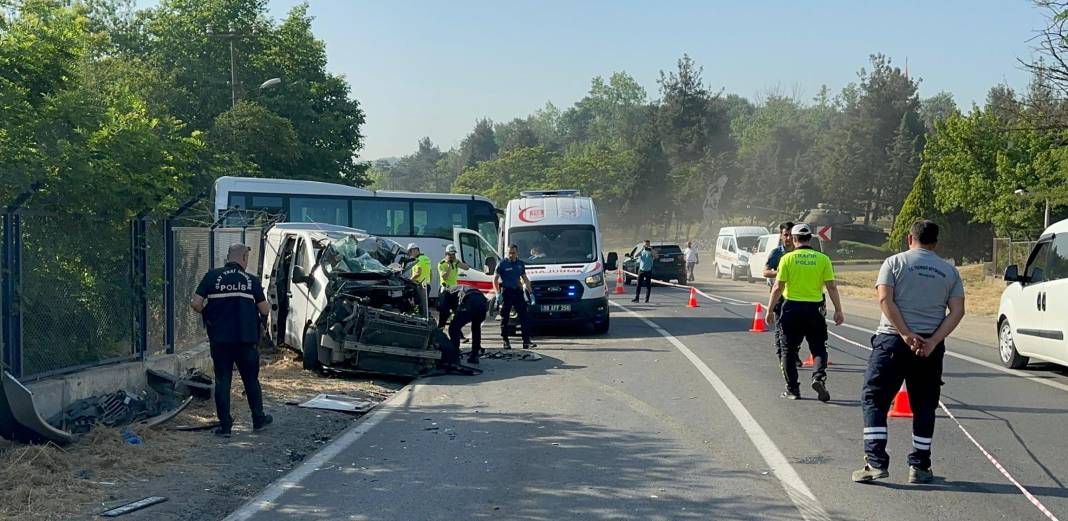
{"x": 509, "y": 283}
{"x": 466, "y": 305}
{"x": 915, "y": 289}
{"x": 231, "y": 301}
{"x": 645, "y": 272}
{"x": 802, "y": 275}
{"x": 449, "y": 274}
{"x": 421, "y": 268}
{"x": 771, "y": 270}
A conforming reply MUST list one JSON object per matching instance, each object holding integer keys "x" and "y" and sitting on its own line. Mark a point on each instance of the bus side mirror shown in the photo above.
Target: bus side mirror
{"x": 612, "y": 262}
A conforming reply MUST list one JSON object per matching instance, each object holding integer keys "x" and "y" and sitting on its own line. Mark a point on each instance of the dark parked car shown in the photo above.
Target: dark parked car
{"x": 668, "y": 262}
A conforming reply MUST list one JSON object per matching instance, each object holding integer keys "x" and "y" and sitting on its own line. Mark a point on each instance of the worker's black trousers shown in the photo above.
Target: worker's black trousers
{"x": 645, "y": 278}
{"x": 892, "y": 362}
{"x": 802, "y": 321}
{"x": 473, "y": 315}
{"x": 246, "y": 357}
{"x": 513, "y": 298}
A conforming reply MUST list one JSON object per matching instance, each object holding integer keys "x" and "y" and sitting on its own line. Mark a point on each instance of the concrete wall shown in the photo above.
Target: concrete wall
{"x": 51, "y": 395}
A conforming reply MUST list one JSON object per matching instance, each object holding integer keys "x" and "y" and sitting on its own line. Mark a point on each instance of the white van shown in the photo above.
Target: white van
{"x": 759, "y": 258}
{"x": 1033, "y": 315}
{"x": 560, "y": 241}
{"x": 733, "y": 248}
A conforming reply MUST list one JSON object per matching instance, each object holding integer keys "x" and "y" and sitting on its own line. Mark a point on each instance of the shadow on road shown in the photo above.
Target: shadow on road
{"x": 524, "y": 466}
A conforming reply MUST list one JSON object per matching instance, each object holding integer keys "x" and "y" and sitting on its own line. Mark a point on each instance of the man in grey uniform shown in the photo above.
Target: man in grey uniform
{"x": 915, "y": 289}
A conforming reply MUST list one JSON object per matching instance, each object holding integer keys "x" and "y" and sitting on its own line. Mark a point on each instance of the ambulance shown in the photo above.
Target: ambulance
{"x": 560, "y": 241}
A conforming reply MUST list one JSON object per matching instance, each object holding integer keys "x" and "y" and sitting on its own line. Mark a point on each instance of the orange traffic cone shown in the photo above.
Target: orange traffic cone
{"x": 619, "y": 281}
{"x": 758, "y": 320}
{"x": 693, "y": 299}
{"x": 901, "y": 407}
{"x": 811, "y": 361}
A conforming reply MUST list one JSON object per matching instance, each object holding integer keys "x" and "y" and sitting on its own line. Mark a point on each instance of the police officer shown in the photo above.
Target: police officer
{"x": 771, "y": 269}
{"x": 230, "y": 302}
{"x": 466, "y": 305}
{"x": 509, "y": 282}
{"x": 915, "y": 289}
{"x": 645, "y": 272}
{"x": 801, "y": 277}
{"x": 449, "y": 274}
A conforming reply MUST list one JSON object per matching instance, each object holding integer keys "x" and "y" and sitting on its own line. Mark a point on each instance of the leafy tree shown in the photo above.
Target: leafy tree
{"x": 502, "y": 179}
{"x": 936, "y": 109}
{"x": 252, "y": 133}
{"x": 919, "y": 204}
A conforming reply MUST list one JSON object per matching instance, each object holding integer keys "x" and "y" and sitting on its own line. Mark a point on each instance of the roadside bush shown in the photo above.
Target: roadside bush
{"x": 849, "y": 250}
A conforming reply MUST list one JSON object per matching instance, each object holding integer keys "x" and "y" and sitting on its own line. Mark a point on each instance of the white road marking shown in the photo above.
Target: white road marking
{"x": 1027, "y": 376}
{"x": 799, "y": 493}
{"x": 993, "y": 461}
{"x": 265, "y": 500}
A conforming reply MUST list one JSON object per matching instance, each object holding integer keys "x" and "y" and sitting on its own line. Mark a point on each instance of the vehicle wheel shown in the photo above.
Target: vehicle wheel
{"x": 1010, "y": 357}
{"x": 310, "y": 350}
{"x": 715, "y": 267}
{"x": 734, "y": 273}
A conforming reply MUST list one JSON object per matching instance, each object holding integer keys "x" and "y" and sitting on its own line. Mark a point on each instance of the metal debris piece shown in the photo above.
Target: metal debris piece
{"x": 338, "y": 402}
{"x": 512, "y": 354}
{"x": 134, "y": 506}
{"x": 31, "y": 427}
{"x": 193, "y": 428}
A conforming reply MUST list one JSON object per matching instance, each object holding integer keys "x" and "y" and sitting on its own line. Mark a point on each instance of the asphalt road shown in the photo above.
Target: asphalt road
{"x": 675, "y": 414}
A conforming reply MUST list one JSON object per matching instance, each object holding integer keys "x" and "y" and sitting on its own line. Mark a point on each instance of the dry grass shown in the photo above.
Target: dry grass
{"x": 49, "y": 482}
{"x": 982, "y": 293}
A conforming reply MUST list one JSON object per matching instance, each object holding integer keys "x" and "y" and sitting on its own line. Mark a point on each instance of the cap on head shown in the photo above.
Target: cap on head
{"x": 450, "y": 248}
{"x": 801, "y": 229}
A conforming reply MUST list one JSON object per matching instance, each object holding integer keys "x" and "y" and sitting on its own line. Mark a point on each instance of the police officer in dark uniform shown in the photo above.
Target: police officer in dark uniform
{"x": 771, "y": 270}
{"x": 231, "y": 302}
{"x": 509, "y": 283}
{"x": 467, "y": 305}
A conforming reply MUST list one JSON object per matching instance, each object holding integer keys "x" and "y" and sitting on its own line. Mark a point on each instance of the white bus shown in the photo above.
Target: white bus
{"x": 430, "y": 220}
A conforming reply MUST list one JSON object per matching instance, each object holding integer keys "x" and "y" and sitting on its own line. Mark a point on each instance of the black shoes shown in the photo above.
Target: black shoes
{"x": 507, "y": 344}
{"x": 634, "y": 300}
{"x": 263, "y": 422}
{"x": 820, "y": 386}
{"x": 790, "y": 395}
{"x": 222, "y": 432}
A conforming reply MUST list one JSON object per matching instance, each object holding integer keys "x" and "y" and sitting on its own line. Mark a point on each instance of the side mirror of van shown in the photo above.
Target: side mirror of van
{"x": 612, "y": 262}
{"x": 1012, "y": 274}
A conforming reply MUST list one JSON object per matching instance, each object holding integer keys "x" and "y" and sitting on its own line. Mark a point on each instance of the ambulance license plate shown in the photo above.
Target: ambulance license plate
{"x": 556, "y": 308}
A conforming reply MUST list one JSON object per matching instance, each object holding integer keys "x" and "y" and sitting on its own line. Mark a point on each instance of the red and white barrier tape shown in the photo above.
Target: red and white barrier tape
{"x": 718, "y": 299}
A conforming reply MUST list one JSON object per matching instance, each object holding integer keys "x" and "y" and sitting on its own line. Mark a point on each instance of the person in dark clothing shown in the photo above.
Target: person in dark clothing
{"x": 466, "y": 305}
{"x": 231, "y": 302}
{"x": 510, "y": 282}
{"x": 771, "y": 270}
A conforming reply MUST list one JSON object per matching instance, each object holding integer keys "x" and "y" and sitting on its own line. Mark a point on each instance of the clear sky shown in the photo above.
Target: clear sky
{"x": 432, "y": 68}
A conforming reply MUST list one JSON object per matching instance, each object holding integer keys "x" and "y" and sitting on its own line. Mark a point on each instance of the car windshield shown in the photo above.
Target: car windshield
{"x": 667, "y": 249}
{"x": 555, "y": 244}
{"x": 356, "y": 255}
{"x": 747, "y": 242}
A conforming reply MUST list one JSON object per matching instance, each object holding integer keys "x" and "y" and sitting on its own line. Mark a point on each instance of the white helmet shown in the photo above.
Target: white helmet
{"x": 412, "y": 246}
{"x": 450, "y": 248}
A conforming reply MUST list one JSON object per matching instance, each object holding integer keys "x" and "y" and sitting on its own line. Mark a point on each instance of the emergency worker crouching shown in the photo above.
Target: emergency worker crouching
{"x": 465, "y": 305}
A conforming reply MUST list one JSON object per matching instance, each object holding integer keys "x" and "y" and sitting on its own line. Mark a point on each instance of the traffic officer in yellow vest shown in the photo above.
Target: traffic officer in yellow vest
{"x": 421, "y": 267}
{"x": 802, "y": 275}
{"x": 449, "y": 273}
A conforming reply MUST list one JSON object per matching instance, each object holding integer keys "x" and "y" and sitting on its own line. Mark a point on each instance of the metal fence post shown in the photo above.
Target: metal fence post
{"x": 139, "y": 282}
{"x": 12, "y": 340}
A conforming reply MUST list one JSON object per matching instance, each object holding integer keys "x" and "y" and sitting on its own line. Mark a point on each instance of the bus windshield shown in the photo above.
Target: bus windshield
{"x": 555, "y": 244}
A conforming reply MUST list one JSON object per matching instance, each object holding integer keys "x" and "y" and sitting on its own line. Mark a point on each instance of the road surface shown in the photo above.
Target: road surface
{"x": 675, "y": 414}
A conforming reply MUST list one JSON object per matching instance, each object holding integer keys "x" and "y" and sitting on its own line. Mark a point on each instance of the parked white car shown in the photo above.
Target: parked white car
{"x": 1033, "y": 315}
{"x": 759, "y": 258}
{"x": 733, "y": 247}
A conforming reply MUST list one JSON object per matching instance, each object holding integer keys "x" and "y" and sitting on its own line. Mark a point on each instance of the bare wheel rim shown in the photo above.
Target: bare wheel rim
{"x": 1005, "y": 343}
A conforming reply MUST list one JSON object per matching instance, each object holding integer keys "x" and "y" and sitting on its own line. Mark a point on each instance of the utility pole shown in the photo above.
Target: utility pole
{"x": 230, "y": 35}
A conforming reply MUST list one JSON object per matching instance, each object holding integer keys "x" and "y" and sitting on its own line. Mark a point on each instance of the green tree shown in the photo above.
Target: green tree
{"x": 253, "y": 134}
{"x": 502, "y": 179}
{"x": 919, "y": 204}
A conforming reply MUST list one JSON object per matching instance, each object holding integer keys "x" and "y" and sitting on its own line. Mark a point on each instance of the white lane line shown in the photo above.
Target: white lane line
{"x": 993, "y": 461}
{"x": 1027, "y": 376}
{"x": 265, "y": 500}
{"x": 799, "y": 493}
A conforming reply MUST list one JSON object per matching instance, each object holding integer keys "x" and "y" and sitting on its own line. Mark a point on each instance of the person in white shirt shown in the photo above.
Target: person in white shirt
{"x": 691, "y": 260}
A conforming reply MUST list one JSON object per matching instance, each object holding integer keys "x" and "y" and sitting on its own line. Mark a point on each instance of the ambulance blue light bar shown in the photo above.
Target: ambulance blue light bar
{"x": 549, "y": 193}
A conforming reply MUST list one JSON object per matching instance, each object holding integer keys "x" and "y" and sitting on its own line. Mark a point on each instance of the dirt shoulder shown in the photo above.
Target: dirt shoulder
{"x": 203, "y": 476}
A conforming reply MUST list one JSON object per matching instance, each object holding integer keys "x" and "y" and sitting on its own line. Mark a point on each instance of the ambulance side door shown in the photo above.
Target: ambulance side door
{"x": 482, "y": 258}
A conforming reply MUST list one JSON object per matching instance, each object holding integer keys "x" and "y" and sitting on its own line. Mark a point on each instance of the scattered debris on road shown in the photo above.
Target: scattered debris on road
{"x": 338, "y": 402}
{"x": 511, "y": 354}
{"x": 134, "y": 506}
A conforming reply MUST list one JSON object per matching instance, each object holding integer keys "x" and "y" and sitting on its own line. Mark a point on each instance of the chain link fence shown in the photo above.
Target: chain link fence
{"x": 1008, "y": 251}
{"x": 76, "y": 293}
{"x": 192, "y": 258}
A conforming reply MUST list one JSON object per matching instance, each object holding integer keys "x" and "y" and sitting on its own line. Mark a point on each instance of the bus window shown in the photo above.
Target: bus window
{"x": 384, "y": 218}
{"x": 319, "y": 210}
{"x": 437, "y": 219}
{"x": 267, "y": 203}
